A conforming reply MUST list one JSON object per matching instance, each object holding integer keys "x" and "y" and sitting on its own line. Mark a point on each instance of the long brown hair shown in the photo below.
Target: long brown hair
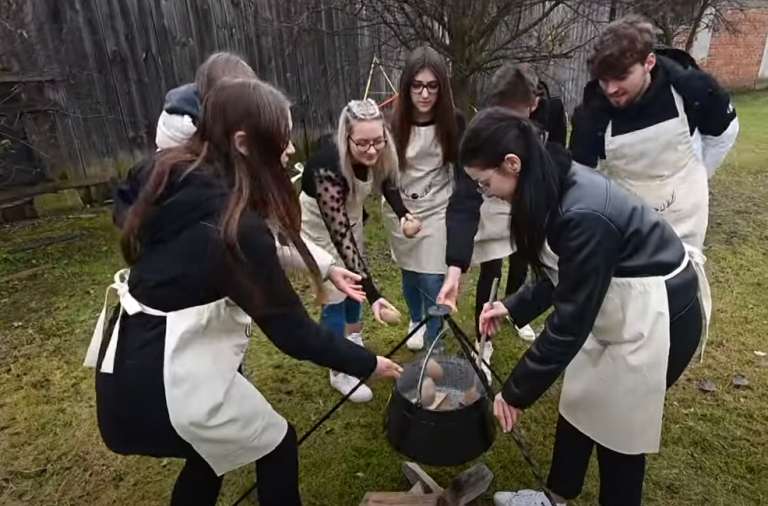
{"x": 219, "y": 66}
{"x": 256, "y": 181}
{"x": 446, "y": 128}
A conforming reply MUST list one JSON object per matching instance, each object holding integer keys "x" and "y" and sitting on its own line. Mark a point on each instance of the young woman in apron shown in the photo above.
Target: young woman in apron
{"x": 427, "y": 130}
{"x": 486, "y": 219}
{"x": 335, "y": 183}
{"x": 626, "y": 318}
{"x": 201, "y": 250}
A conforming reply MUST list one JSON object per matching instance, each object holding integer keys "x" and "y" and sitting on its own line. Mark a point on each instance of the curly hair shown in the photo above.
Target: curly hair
{"x": 623, "y": 43}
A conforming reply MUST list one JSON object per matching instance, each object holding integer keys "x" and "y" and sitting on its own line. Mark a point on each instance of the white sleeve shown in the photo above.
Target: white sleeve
{"x": 715, "y": 149}
{"x": 291, "y": 261}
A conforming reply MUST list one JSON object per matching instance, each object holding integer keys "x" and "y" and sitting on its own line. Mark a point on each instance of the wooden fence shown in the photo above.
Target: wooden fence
{"x": 82, "y": 82}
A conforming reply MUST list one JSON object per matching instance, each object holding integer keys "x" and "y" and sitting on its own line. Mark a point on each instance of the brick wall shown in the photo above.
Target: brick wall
{"x": 735, "y": 59}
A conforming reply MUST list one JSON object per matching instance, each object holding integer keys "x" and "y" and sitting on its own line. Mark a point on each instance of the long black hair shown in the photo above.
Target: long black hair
{"x": 497, "y": 132}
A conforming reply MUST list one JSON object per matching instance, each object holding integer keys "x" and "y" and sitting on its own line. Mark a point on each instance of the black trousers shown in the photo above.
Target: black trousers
{"x": 518, "y": 269}
{"x": 621, "y": 475}
{"x": 134, "y": 420}
{"x": 277, "y": 474}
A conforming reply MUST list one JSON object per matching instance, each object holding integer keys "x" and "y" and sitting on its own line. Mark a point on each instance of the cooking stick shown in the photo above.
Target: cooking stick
{"x": 484, "y": 336}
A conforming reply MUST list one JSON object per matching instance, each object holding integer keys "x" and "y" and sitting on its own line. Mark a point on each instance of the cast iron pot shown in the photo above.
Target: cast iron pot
{"x": 440, "y": 438}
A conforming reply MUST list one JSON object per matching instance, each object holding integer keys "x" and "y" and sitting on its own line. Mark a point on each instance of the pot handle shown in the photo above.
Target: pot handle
{"x": 424, "y": 364}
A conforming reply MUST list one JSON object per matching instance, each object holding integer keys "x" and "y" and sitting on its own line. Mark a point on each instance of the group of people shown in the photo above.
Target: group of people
{"x": 611, "y": 229}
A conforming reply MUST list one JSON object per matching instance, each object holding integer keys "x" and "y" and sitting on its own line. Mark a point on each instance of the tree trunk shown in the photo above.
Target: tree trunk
{"x": 612, "y": 11}
{"x": 696, "y": 24}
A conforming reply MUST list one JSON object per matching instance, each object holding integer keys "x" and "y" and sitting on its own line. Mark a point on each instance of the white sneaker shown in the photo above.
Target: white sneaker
{"x": 416, "y": 341}
{"x": 521, "y": 498}
{"x": 526, "y": 333}
{"x": 357, "y": 338}
{"x": 486, "y": 353}
{"x": 344, "y": 383}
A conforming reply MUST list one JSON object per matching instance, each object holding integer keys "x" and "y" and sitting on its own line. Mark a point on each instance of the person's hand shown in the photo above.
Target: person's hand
{"x": 382, "y": 305}
{"x": 449, "y": 293}
{"x": 347, "y": 282}
{"x": 491, "y": 318}
{"x": 409, "y": 225}
{"x": 385, "y": 368}
{"x": 506, "y": 414}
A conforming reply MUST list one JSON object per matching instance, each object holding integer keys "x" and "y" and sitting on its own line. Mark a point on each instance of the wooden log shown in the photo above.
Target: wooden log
{"x": 23, "y": 274}
{"x": 414, "y": 473}
{"x": 468, "y": 486}
{"x": 417, "y": 489}
{"x": 400, "y": 499}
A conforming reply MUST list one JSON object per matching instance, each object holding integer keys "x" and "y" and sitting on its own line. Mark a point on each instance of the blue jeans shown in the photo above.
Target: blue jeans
{"x": 337, "y": 316}
{"x": 414, "y": 283}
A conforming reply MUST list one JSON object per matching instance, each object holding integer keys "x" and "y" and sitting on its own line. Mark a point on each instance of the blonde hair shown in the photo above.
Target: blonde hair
{"x": 386, "y": 167}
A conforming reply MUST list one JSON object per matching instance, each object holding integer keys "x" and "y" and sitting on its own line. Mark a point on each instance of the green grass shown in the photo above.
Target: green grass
{"x": 51, "y": 452}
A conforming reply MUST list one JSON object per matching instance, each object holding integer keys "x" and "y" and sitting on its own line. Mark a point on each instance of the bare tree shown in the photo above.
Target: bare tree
{"x": 680, "y": 21}
{"x": 475, "y": 36}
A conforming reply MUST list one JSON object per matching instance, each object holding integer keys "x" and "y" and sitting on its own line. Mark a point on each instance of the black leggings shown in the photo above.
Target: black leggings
{"x": 621, "y": 475}
{"x": 277, "y": 474}
{"x": 518, "y": 269}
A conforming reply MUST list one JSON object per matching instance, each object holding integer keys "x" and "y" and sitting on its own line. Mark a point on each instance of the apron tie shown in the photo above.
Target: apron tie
{"x": 129, "y": 305}
{"x": 705, "y": 294}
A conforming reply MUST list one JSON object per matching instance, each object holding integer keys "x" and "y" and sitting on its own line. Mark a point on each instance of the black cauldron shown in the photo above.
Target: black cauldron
{"x": 448, "y": 437}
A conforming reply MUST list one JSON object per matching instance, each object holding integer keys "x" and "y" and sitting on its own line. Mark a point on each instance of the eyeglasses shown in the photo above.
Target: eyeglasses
{"x": 432, "y": 87}
{"x": 365, "y": 144}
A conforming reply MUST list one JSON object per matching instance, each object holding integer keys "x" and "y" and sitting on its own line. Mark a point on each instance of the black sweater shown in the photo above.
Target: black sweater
{"x": 184, "y": 263}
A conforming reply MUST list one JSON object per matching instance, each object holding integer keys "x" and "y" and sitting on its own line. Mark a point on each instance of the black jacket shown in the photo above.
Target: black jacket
{"x": 707, "y": 105}
{"x": 550, "y": 116}
{"x": 183, "y": 100}
{"x": 599, "y": 231}
{"x": 463, "y": 215}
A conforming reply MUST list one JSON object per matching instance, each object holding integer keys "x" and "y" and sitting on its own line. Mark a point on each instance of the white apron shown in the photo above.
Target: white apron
{"x": 493, "y": 240}
{"x": 660, "y": 164}
{"x": 313, "y": 229}
{"x": 210, "y": 404}
{"x": 426, "y": 186}
{"x": 614, "y": 388}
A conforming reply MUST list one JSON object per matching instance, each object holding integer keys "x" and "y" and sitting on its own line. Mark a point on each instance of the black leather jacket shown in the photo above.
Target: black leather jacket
{"x": 599, "y": 231}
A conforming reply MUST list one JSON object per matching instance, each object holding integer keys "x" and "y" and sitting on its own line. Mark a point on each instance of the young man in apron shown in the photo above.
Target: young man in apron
{"x": 626, "y": 318}
{"x": 656, "y": 128}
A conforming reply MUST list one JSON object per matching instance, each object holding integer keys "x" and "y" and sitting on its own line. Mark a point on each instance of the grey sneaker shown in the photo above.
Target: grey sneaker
{"x": 521, "y": 498}
{"x": 526, "y": 333}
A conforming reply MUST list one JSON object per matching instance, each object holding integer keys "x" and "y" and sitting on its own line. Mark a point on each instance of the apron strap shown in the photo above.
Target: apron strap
{"x": 705, "y": 293}
{"x": 129, "y": 305}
